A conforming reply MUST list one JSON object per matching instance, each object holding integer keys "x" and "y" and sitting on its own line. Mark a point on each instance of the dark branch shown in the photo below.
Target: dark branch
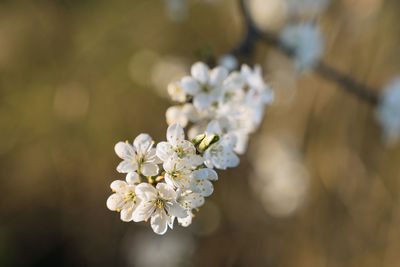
{"x": 253, "y": 34}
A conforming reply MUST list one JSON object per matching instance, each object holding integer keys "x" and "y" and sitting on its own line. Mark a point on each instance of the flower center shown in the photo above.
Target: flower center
{"x": 130, "y": 197}
{"x": 159, "y": 203}
{"x": 180, "y": 152}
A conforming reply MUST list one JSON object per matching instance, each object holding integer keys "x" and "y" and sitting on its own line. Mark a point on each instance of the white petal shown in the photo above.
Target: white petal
{"x": 195, "y": 160}
{"x": 169, "y": 164}
{"x": 212, "y": 175}
{"x": 187, "y": 147}
{"x": 132, "y": 178}
{"x": 228, "y": 141}
{"x": 164, "y": 150}
{"x": 200, "y": 174}
{"x": 213, "y": 127}
{"x": 146, "y": 191}
{"x": 127, "y": 166}
{"x": 175, "y": 114}
{"x": 176, "y": 210}
{"x": 200, "y": 72}
{"x": 159, "y": 222}
{"x": 205, "y": 188}
{"x": 241, "y": 144}
{"x": 202, "y": 101}
{"x": 142, "y": 143}
{"x": 175, "y": 134}
{"x": 124, "y": 150}
{"x": 185, "y": 222}
{"x": 190, "y": 86}
{"x": 126, "y": 214}
{"x": 118, "y": 186}
{"x": 143, "y": 211}
{"x": 115, "y": 202}
{"x": 232, "y": 160}
{"x": 166, "y": 191}
{"x": 149, "y": 169}
{"x": 218, "y": 75}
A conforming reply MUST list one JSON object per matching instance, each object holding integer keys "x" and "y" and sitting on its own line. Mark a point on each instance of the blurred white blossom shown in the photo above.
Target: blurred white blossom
{"x": 388, "y": 112}
{"x": 228, "y": 61}
{"x": 280, "y": 179}
{"x": 305, "y": 42}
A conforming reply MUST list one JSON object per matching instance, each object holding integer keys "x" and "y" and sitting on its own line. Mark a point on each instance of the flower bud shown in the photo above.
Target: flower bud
{"x": 207, "y": 142}
{"x": 197, "y": 140}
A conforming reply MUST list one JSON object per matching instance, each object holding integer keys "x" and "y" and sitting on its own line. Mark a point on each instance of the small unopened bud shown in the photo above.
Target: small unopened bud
{"x": 208, "y": 141}
{"x": 197, "y": 140}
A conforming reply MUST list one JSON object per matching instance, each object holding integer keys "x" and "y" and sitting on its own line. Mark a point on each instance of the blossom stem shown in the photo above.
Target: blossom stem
{"x": 323, "y": 69}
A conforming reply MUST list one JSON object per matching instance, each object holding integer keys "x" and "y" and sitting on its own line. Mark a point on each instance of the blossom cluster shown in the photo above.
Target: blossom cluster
{"x": 171, "y": 179}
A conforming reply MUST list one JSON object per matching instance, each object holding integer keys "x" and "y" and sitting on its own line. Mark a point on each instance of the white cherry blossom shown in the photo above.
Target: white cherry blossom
{"x": 221, "y": 155}
{"x": 140, "y": 157}
{"x": 204, "y": 84}
{"x": 189, "y": 200}
{"x": 124, "y": 199}
{"x": 177, "y": 171}
{"x": 177, "y": 145}
{"x": 201, "y": 181}
{"x": 305, "y": 42}
{"x": 159, "y": 204}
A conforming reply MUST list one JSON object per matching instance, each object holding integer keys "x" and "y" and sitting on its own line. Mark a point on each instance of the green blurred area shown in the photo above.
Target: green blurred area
{"x": 72, "y": 85}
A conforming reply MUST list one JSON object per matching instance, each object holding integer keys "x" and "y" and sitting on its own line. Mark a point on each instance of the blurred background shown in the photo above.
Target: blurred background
{"x": 317, "y": 186}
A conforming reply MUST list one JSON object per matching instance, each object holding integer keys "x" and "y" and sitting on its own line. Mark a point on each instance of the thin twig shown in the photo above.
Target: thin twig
{"x": 348, "y": 83}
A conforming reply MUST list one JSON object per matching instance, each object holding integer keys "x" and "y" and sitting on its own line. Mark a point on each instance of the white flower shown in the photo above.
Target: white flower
{"x": 177, "y": 145}
{"x": 159, "y": 204}
{"x": 140, "y": 157}
{"x": 220, "y": 155}
{"x": 239, "y": 125}
{"x": 176, "y": 92}
{"x": 388, "y": 111}
{"x": 204, "y": 84}
{"x": 232, "y": 90}
{"x": 201, "y": 181}
{"x": 182, "y": 114}
{"x": 124, "y": 199}
{"x": 177, "y": 172}
{"x": 189, "y": 200}
{"x": 305, "y": 42}
{"x": 259, "y": 92}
